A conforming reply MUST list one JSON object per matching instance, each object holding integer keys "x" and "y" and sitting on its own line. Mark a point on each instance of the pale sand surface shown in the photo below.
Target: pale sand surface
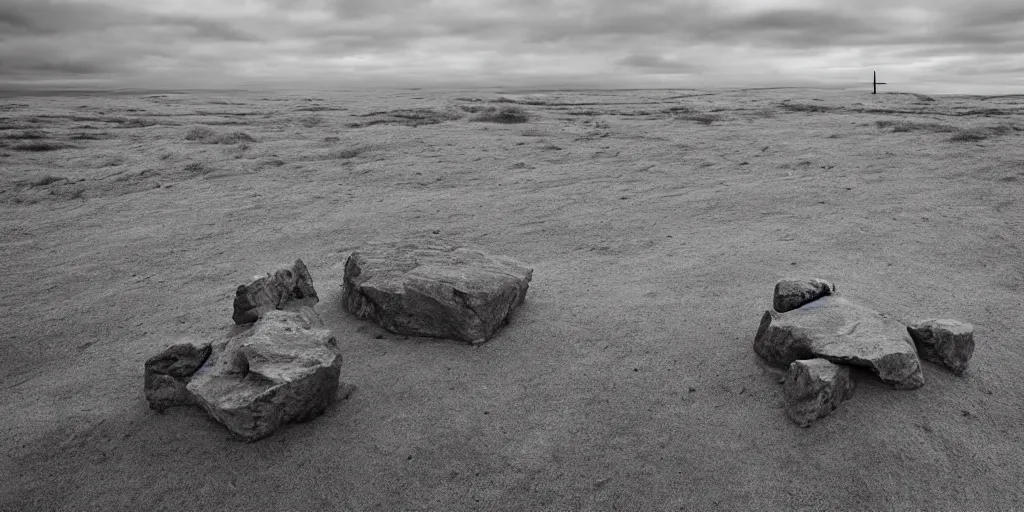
{"x": 655, "y": 243}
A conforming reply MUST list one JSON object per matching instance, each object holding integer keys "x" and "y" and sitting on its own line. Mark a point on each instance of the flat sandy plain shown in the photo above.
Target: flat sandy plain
{"x": 656, "y": 223}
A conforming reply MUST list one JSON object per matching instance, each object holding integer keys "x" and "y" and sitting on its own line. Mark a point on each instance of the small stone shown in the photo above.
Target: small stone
{"x": 287, "y": 289}
{"x": 168, "y": 373}
{"x": 814, "y": 388}
{"x": 944, "y": 341}
{"x": 437, "y": 291}
{"x": 791, "y": 294}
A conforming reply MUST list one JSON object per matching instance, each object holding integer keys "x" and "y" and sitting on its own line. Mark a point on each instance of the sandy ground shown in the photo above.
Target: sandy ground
{"x": 626, "y": 381}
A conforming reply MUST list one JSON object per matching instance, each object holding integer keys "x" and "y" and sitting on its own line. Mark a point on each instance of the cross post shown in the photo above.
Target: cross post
{"x": 875, "y": 83}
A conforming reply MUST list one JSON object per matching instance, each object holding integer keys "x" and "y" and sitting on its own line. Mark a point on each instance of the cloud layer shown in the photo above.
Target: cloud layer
{"x": 602, "y": 43}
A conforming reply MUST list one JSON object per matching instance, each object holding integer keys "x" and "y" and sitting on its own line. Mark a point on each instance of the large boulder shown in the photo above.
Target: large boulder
{"x": 283, "y": 369}
{"x": 814, "y": 388}
{"x": 843, "y": 332}
{"x": 169, "y": 372}
{"x": 443, "y": 292}
{"x": 792, "y": 293}
{"x": 943, "y": 341}
{"x": 285, "y": 289}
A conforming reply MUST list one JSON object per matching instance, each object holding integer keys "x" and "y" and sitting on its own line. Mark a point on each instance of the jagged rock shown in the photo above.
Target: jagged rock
{"x": 443, "y": 292}
{"x": 285, "y": 289}
{"x": 285, "y": 368}
{"x": 843, "y": 332}
{"x": 167, "y": 373}
{"x": 943, "y": 341}
{"x": 791, "y": 294}
{"x": 814, "y": 388}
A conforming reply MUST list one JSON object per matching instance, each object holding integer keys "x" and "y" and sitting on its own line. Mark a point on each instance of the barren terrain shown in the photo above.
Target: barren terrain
{"x": 656, "y": 223}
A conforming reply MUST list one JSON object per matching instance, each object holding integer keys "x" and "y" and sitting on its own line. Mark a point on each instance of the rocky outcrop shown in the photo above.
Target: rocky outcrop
{"x": 791, "y": 294}
{"x": 813, "y": 388}
{"x": 168, "y": 373}
{"x": 943, "y": 341}
{"x": 456, "y": 293}
{"x": 842, "y": 332}
{"x": 284, "y": 369}
{"x": 285, "y": 289}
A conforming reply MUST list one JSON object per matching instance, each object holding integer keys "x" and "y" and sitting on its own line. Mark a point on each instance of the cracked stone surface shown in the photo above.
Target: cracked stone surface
{"x": 283, "y": 369}
{"x": 285, "y": 289}
{"x": 943, "y": 341}
{"x": 437, "y": 291}
{"x": 842, "y": 332}
{"x": 814, "y": 388}
{"x": 792, "y": 293}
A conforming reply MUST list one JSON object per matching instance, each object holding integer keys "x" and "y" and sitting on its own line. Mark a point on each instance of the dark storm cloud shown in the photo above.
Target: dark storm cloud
{"x": 656, "y": 63}
{"x": 44, "y": 17}
{"x": 492, "y": 38}
{"x": 47, "y": 17}
{"x": 205, "y": 28}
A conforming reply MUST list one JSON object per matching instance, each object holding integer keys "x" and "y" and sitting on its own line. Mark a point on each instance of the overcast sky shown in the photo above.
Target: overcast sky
{"x": 926, "y": 45}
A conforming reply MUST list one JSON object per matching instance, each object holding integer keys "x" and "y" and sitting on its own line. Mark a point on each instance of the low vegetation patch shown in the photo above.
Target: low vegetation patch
{"x": 41, "y": 145}
{"x": 408, "y": 117}
{"x": 235, "y": 138}
{"x": 200, "y": 133}
{"x": 46, "y": 180}
{"x": 678, "y": 109}
{"x": 345, "y": 154}
{"x": 705, "y": 119}
{"x": 89, "y": 136}
{"x": 27, "y": 135}
{"x": 311, "y": 121}
{"x": 318, "y": 108}
{"x": 981, "y": 133}
{"x": 807, "y": 107}
{"x": 196, "y": 168}
{"x": 135, "y": 122}
{"x": 208, "y": 135}
{"x": 525, "y": 101}
{"x": 911, "y": 126}
{"x": 505, "y": 115}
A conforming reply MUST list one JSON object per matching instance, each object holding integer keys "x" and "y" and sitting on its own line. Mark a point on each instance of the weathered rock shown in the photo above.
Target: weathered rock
{"x": 285, "y": 289}
{"x": 283, "y": 369}
{"x": 791, "y": 294}
{"x": 943, "y": 341}
{"x": 843, "y": 332}
{"x": 167, "y": 373}
{"x": 814, "y": 388}
{"x": 443, "y": 292}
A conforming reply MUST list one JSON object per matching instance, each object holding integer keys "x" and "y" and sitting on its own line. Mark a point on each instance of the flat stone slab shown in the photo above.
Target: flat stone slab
{"x": 285, "y": 289}
{"x": 944, "y": 341}
{"x": 167, "y": 373}
{"x": 814, "y": 388}
{"x": 842, "y": 332}
{"x": 438, "y": 291}
{"x": 284, "y": 369}
{"x": 792, "y": 293}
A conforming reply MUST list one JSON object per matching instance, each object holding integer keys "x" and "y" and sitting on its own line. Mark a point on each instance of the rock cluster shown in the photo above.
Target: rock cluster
{"x": 812, "y": 330}
{"x": 284, "y": 366}
{"x": 442, "y": 292}
{"x": 843, "y": 332}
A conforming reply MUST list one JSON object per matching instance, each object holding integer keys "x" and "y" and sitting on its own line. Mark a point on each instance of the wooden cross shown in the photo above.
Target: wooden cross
{"x": 875, "y": 83}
